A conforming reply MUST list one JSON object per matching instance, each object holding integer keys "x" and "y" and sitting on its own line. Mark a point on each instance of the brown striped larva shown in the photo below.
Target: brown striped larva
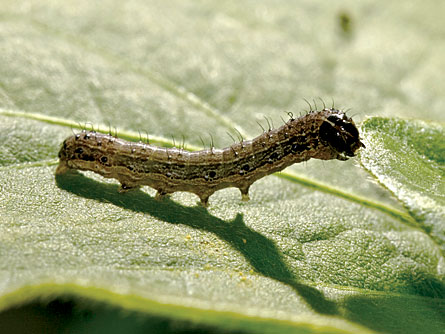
{"x": 326, "y": 134}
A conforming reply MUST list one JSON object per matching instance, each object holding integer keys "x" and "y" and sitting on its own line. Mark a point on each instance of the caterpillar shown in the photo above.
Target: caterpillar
{"x": 326, "y": 134}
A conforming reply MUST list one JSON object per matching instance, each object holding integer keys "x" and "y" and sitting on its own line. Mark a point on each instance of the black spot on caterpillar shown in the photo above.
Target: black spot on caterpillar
{"x": 326, "y": 134}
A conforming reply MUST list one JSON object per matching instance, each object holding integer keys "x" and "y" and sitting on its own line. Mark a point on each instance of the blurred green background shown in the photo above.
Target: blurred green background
{"x": 294, "y": 259}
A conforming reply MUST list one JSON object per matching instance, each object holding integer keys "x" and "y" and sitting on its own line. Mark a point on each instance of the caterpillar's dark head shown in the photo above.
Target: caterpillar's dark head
{"x": 340, "y": 133}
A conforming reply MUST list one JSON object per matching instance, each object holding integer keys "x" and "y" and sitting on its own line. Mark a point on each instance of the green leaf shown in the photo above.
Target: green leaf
{"x": 322, "y": 248}
{"x": 408, "y": 158}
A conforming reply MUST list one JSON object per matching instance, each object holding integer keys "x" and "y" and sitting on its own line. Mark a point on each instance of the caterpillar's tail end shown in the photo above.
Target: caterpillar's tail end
{"x": 62, "y": 168}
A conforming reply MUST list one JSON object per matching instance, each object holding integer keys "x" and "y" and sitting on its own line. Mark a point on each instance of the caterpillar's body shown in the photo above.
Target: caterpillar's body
{"x": 327, "y": 134}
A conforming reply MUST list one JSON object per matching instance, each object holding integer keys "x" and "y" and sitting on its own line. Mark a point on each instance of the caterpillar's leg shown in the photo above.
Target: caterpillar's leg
{"x": 341, "y": 157}
{"x": 204, "y": 200}
{"x": 160, "y": 195}
{"x": 204, "y": 197}
{"x": 245, "y": 193}
{"x": 124, "y": 188}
